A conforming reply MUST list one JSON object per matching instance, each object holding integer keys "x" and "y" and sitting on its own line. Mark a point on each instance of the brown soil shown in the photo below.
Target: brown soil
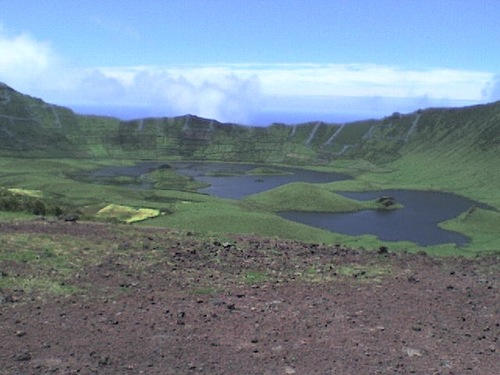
{"x": 165, "y": 302}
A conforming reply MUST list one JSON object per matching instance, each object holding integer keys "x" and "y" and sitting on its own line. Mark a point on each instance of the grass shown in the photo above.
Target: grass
{"x": 42, "y": 263}
{"x": 254, "y": 215}
{"x": 479, "y": 224}
{"x": 302, "y": 196}
{"x": 29, "y": 193}
{"x": 255, "y": 277}
{"x": 126, "y": 214}
{"x": 50, "y": 149}
{"x": 169, "y": 179}
{"x": 226, "y": 216}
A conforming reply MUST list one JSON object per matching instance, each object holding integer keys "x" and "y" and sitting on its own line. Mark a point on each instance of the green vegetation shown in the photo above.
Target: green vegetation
{"x": 44, "y": 263}
{"x": 479, "y": 224}
{"x": 30, "y": 201}
{"x": 168, "y": 179}
{"x": 255, "y": 277}
{"x": 126, "y": 214}
{"x": 309, "y": 197}
{"x": 46, "y": 153}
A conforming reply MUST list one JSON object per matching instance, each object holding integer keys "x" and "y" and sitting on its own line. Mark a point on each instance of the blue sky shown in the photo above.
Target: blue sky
{"x": 252, "y": 61}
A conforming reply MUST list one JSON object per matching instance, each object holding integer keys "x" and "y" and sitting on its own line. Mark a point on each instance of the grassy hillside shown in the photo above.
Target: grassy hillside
{"x": 44, "y": 147}
{"x": 31, "y": 127}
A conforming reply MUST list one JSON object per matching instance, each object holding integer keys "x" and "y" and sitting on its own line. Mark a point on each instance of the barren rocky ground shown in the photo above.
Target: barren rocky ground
{"x": 156, "y": 301}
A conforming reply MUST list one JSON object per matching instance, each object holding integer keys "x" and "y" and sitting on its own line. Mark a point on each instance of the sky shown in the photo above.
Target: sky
{"x": 252, "y": 61}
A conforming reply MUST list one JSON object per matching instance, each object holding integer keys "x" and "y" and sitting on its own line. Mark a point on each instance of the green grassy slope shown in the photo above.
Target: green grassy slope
{"x": 455, "y": 150}
{"x": 31, "y": 127}
{"x": 448, "y": 149}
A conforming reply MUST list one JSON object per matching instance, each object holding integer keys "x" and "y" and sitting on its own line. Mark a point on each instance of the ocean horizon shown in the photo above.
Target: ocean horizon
{"x": 264, "y": 118}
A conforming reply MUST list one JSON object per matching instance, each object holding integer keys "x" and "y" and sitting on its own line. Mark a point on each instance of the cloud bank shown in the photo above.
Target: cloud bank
{"x": 23, "y": 59}
{"x": 239, "y": 92}
{"x": 494, "y": 93}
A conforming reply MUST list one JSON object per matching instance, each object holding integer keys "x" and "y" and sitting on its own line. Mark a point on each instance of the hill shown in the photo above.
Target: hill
{"x": 446, "y": 149}
{"x": 101, "y": 298}
{"x": 33, "y": 128}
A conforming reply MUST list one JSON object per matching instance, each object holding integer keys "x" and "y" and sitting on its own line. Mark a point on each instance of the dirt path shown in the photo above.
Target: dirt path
{"x": 164, "y": 302}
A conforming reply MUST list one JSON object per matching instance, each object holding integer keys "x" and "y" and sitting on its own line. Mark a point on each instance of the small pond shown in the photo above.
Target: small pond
{"x": 228, "y": 180}
{"x": 416, "y": 222}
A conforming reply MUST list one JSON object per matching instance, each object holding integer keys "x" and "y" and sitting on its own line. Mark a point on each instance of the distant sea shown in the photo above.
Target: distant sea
{"x": 257, "y": 119}
{"x": 267, "y": 118}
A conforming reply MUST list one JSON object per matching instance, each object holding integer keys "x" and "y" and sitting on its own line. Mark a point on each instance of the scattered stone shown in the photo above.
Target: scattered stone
{"x": 387, "y": 201}
{"x": 413, "y": 279}
{"x": 9, "y": 298}
{"x": 412, "y": 352}
{"x": 104, "y": 361}
{"x": 22, "y": 357}
{"x": 383, "y": 250}
{"x": 73, "y": 218}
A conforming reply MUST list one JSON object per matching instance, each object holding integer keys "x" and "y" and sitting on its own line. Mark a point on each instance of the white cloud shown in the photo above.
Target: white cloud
{"x": 358, "y": 80}
{"x": 236, "y": 92}
{"x": 226, "y": 90}
{"x": 492, "y": 92}
{"x": 24, "y": 60}
{"x": 218, "y": 94}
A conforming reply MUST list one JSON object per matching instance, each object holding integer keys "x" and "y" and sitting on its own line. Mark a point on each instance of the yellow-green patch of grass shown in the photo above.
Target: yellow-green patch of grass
{"x": 30, "y": 193}
{"x": 127, "y": 214}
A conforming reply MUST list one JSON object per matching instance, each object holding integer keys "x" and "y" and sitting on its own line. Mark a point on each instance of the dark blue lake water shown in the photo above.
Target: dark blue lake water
{"x": 239, "y": 184}
{"x": 416, "y": 222}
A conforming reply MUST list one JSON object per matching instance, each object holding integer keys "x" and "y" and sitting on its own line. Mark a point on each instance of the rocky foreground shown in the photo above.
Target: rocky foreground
{"x": 153, "y": 301}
